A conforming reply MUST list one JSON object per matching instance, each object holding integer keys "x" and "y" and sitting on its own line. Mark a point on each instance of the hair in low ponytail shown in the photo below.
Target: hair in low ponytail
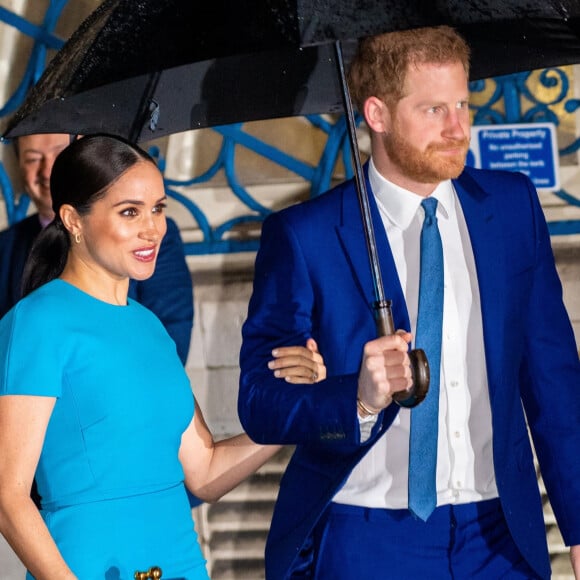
{"x": 81, "y": 175}
{"x": 47, "y": 257}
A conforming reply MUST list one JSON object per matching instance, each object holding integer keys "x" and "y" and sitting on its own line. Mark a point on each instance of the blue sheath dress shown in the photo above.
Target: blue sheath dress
{"x": 109, "y": 476}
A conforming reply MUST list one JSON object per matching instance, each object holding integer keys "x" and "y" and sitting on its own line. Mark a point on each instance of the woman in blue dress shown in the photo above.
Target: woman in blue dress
{"x": 97, "y": 406}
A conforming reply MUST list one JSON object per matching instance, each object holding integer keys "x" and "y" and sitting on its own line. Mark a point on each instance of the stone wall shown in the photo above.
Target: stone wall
{"x": 221, "y": 301}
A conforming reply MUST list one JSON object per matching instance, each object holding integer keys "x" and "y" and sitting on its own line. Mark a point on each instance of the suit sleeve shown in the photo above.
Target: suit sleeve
{"x": 281, "y": 313}
{"x": 550, "y": 384}
{"x": 169, "y": 292}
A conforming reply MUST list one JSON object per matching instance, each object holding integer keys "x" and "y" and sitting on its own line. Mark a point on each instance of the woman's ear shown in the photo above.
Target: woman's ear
{"x": 71, "y": 219}
{"x": 377, "y": 115}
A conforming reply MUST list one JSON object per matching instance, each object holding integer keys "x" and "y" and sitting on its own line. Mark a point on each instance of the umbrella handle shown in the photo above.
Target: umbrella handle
{"x": 419, "y": 365}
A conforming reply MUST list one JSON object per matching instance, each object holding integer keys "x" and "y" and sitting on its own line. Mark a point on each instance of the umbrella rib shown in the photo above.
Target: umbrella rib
{"x": 144, "y": 107}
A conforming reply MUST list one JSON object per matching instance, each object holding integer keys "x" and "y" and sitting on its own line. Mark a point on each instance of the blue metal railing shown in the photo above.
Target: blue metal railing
{"x": 507, "y": 99}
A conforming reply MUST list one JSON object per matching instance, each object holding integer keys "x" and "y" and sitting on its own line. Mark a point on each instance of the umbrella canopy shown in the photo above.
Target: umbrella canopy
{"x": 144, "y": 69}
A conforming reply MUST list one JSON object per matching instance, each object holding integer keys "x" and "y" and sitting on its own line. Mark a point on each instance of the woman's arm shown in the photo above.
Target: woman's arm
{"x": 212, "y": 469}
{"x": 575, "y": 559}
{"x": 23, "y": 423}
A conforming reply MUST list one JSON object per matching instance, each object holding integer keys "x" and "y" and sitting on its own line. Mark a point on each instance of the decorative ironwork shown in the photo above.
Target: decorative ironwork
{"x": 533, "y": 97}
{"x": 538, "y": 96}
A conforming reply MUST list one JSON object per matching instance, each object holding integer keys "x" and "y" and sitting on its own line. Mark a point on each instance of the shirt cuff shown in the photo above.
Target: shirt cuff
{"x": 366, "y": 425}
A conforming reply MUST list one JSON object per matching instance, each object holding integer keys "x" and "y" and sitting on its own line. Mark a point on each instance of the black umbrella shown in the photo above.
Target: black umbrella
{"x": 145, "y": 68}
{"x": 148, "y": 68}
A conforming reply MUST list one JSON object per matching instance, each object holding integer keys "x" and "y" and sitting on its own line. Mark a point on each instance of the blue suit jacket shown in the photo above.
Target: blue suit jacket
{"x": 168, "y": 293}
{"x": 313, "y": 279}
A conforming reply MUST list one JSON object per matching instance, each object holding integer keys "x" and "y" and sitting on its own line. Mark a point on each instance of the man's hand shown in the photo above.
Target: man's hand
{"x": 385, "y": 370}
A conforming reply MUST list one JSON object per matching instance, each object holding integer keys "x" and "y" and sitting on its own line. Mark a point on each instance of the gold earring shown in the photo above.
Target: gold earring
{"x": 77, "y": 238}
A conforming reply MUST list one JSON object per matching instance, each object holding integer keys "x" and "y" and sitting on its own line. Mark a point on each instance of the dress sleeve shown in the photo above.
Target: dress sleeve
{"x": 31, "y": 361}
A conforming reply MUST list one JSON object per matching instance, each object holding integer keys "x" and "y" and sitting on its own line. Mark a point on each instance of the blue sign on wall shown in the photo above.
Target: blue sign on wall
{"x": 529, "y": 148}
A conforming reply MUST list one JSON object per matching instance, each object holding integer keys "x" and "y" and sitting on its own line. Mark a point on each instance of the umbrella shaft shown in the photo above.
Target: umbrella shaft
{"x": 362, "y": 190}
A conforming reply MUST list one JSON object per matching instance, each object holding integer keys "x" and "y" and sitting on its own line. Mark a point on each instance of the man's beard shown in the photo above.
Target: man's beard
{"x": 426, "y": 166}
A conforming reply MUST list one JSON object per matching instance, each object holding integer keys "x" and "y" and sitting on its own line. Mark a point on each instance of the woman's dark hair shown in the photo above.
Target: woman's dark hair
{"x": 81, "y": 175}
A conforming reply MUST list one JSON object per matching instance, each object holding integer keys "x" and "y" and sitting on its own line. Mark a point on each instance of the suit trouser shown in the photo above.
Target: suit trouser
{"x": 458, "y": 542}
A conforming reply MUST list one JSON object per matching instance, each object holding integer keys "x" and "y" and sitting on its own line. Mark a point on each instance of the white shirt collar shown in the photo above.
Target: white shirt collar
{"x": 400, "y": 205}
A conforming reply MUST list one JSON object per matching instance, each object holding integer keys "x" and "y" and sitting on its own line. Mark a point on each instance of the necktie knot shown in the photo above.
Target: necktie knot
{"x": 430, "y": 206}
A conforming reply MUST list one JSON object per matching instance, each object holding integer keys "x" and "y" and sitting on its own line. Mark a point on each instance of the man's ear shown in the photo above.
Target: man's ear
{"x": 71, "y": 219}
{"x": 377, "y": 115}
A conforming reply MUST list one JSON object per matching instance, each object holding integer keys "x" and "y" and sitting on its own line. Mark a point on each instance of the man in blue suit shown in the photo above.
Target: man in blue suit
{"x": 508, "y": 356}
{"x": 168, "y": 293}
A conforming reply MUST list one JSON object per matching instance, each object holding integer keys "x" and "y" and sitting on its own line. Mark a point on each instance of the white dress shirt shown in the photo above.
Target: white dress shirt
{"x": 464, "y": 452}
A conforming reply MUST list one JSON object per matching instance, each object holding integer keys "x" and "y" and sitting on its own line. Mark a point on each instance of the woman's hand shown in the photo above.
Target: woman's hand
{"x": 298, "y": 364}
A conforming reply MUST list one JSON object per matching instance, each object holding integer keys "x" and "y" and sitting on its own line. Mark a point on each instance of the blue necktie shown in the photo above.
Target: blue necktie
{"x": 425, "y": 417}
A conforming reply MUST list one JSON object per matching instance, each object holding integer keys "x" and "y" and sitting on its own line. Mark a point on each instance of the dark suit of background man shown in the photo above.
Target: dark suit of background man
{"x": 168, "y": 293}
{"x": 508, "y": 353}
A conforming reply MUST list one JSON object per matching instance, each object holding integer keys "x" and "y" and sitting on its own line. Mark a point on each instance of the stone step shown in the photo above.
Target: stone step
{"x": 233, "y": 516}
{"x": 238, "y": 570}
{"x": 233, "y": 531}
{"x": 262, "y": 486}
{"x": 242, "y": 545}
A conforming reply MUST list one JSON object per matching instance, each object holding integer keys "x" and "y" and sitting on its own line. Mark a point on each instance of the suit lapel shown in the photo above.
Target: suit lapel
{"x": 353, "y": 242}
{"x": 486, "y": 237}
